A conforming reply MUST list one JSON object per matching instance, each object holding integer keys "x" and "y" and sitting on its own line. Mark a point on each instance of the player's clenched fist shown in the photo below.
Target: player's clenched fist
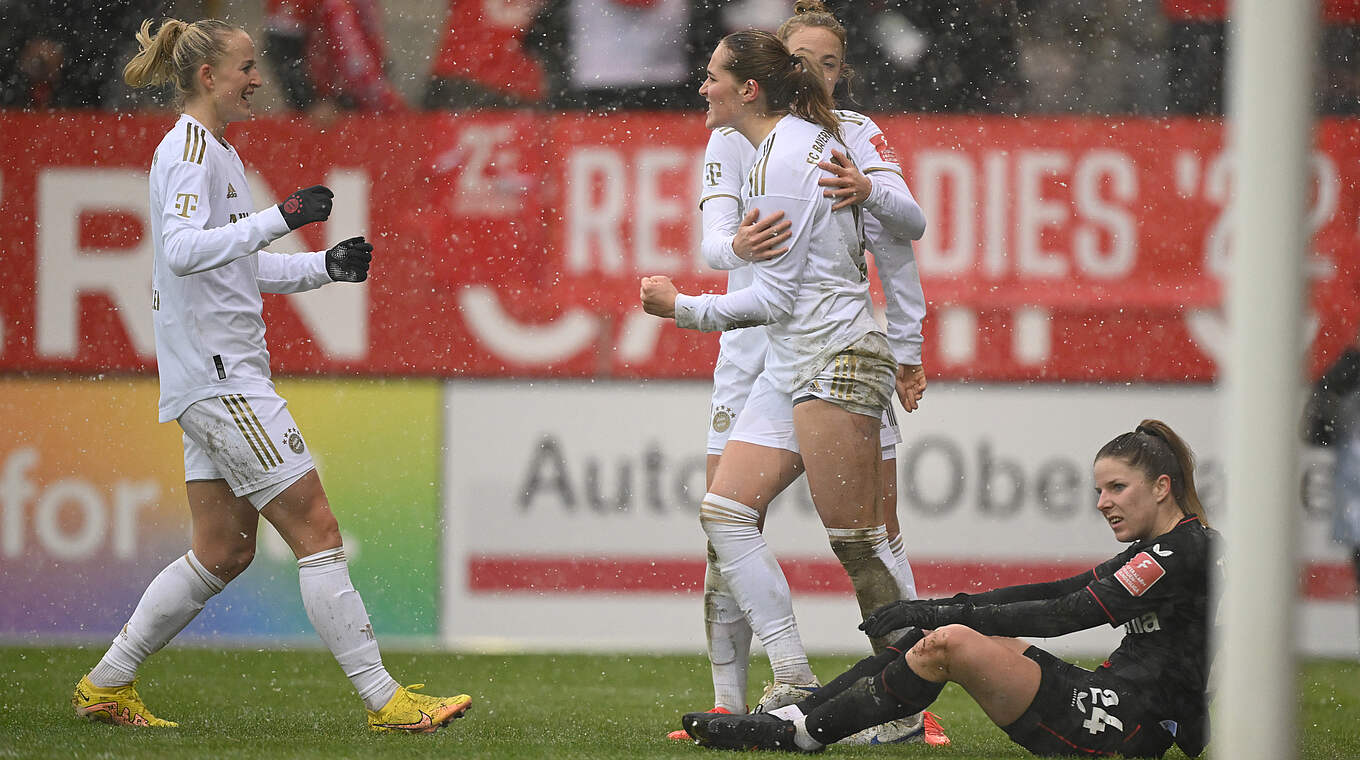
{"x": 347, "y": 260}
{"x": 658, "y": 296}
{"x": 310, "y": 204}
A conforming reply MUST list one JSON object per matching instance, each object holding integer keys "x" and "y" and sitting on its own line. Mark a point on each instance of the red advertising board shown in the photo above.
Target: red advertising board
{"x": 510, "y": 244}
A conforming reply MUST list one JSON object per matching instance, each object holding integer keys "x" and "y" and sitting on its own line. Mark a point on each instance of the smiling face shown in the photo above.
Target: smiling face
{"x": 1135, "y": 506}
{"x": 722, "y": 91}
{"x": 823, "y": 48}
{"x": 233, "y": 79}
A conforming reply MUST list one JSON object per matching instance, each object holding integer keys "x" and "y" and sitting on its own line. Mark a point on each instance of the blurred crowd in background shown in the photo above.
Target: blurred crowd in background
{"x": 1115, "y": 57}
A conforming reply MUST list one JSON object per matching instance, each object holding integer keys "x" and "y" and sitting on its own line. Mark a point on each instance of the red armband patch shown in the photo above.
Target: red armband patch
{"x": 1139, "y": 574}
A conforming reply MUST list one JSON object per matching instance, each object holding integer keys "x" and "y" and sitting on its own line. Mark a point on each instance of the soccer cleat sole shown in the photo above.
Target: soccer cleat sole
{"x": 428, "y": 723}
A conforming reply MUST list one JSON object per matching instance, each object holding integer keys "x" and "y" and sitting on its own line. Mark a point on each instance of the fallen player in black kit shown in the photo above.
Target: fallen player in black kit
{"x": 1149, "y": 693}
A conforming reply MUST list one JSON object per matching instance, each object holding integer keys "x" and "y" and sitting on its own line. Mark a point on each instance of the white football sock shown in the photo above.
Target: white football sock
{"x": 802, "y": 738}
{"x": 906, "y": 579}
{"x": 758, "y": 584}
{"x": 338, "y": 615}
{"x": 865, "y": 555}
{"x": 170, "y": 602}
{"x": 729, "y": 640}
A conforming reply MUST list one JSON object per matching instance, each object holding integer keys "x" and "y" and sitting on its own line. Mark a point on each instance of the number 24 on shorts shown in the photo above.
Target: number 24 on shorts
{"x": 1099, "y": 719}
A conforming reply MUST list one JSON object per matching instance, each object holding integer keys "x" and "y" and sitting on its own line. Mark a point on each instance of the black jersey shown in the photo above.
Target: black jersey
{"x": 1158, "y": 590}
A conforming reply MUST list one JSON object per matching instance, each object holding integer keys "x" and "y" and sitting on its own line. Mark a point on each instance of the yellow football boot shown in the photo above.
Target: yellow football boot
{"x": 417, "y": 713}
{"x": 119, "y": 705}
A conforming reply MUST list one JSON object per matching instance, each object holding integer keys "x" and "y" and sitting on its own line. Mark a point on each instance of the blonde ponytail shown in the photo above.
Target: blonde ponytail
{"x": 174, "y": 53}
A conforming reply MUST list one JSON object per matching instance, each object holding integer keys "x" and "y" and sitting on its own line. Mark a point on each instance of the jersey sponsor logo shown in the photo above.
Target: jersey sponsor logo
{"x": 1146, "y": 623}
{"x": 231, "y": 191}
{"x": 186, "y": 204}
{"x": 1139, "y": 574}
{"x": 1160, "y": 552}
{"x": 885, "y": 151}
{"x": 712, "y": 173}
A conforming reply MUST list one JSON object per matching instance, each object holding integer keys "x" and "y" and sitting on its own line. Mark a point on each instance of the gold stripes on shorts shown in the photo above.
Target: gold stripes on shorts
{"x": 842, "y": 376}
{"x": 252, "y": 431}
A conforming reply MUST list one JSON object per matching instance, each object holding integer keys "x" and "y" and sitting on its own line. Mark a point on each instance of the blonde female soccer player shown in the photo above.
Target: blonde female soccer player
{"x": 243, "y": 455}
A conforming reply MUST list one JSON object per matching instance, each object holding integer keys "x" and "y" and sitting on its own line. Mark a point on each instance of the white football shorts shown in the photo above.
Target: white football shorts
{"x": 248, "y": 440}
{"x": 731, "y": 387}
{"x": 767, "y": 420}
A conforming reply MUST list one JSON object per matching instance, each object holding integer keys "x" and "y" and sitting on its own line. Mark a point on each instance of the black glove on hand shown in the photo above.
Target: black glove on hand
{"x": 310, "y": 204}
{"x": 347, "y": 260}
{"x": 922, "y": 613}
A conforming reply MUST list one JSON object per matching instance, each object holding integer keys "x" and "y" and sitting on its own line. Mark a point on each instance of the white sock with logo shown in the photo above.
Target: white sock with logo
{"x": 338, "y": 615}
{"x": 729, "y": 640}
{"x": 170, "y": 602}
{"x": 758, "y": 584}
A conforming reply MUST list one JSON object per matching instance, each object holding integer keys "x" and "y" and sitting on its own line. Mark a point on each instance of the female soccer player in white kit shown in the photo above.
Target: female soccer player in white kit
{"x": 826, "y": 353}
{"x": 729, "y": 244}
{"x": 243, "y": 455}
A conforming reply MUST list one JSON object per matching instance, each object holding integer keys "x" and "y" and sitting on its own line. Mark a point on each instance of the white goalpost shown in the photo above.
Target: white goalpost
{"x": 1271, "y": 48}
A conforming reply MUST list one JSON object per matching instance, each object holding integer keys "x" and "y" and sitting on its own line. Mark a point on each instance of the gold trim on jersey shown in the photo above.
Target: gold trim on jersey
{"x": 726, "y": 130}
{"x": 195, "y": 143}
{"x": 253, "y": 431}
{"x": 707, "y": 198}
{"x": 894, "y": 170}
{"x": 844, "y": 116}
{"x": 757, "y": 176}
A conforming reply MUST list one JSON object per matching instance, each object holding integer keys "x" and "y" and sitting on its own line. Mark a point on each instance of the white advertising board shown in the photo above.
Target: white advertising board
{"x": 571, "y": 510}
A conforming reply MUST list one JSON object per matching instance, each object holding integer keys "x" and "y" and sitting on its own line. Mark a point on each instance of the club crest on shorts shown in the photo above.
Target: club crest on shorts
{"x": 294, "y": 440}
{"x": 722, "y": 419}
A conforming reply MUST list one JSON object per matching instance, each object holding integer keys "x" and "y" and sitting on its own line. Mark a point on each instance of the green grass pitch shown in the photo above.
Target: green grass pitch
{"x": 296, "y": 704}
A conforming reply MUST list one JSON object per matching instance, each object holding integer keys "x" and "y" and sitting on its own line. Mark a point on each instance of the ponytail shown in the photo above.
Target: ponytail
{"x": 790, "y": 83}
{"x": 174, "y": 53}
{"x": 1155, "y": 449}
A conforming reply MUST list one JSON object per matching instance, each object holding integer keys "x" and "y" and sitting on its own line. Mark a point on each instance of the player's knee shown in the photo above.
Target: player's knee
{"x": 227, "y": 562}
{"x": 944, "y": 647}
{"x": 326, "y": 528}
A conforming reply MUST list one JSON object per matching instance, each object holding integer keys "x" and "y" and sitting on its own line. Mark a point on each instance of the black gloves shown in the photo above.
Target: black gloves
{"x": 347, "y": 260}
{"x": 925, "y": 614}
{"x": 310, "y": 204}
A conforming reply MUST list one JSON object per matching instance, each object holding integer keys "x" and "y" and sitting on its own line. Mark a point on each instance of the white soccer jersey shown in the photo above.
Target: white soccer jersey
{"x": 726, "y": 160}
{"x": 814, "y": 300}
{"x": 210, "y": 271}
